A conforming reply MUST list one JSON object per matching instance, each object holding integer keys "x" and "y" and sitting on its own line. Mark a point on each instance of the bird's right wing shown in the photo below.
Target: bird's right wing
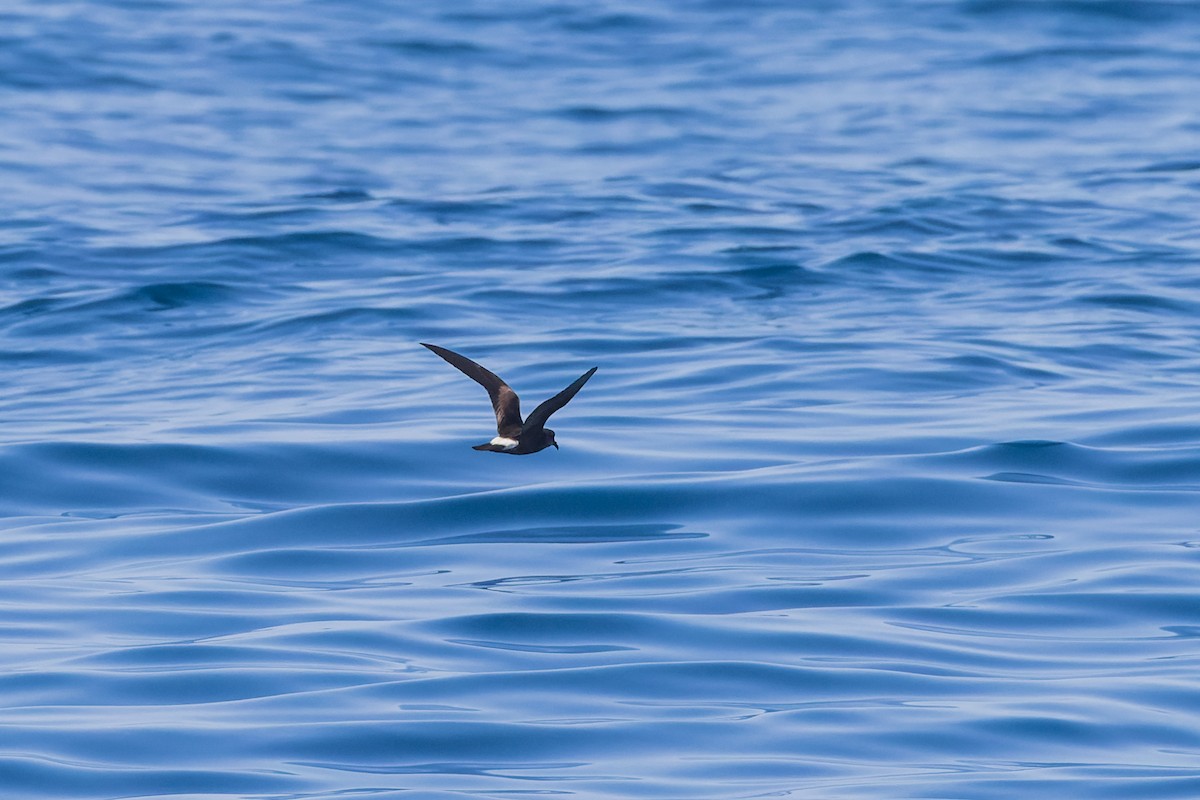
{"x": 538, "y": 417}
{"x": 505, "y": 402}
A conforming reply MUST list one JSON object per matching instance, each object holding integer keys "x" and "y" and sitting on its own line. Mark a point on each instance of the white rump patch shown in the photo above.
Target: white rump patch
{"x": 507, "y": 444}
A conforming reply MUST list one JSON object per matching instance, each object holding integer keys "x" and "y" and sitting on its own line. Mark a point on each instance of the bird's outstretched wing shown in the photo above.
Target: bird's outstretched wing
{"x": 537, "y": 418}
{"x": 505, "y": 402}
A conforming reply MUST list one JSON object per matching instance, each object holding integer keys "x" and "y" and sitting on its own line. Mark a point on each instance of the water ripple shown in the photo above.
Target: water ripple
{"x": 885, "y": 486}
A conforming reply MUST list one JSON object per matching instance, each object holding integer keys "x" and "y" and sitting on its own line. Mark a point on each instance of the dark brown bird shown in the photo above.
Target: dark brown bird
{"x": 513, "y": 436}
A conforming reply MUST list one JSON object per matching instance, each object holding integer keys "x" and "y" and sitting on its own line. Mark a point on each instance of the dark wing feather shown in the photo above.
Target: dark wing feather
{"x": 537, "y": 418}
{"x": 505, "y": 402}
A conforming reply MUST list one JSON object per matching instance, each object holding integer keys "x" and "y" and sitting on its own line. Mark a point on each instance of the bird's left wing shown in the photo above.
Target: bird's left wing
{"x": 505, "y": 402}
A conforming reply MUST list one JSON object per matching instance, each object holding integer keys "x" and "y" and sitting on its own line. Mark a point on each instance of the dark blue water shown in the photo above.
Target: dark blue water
{"x": 886, "y": 487}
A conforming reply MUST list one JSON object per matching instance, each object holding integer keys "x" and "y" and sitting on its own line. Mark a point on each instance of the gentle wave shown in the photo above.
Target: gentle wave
{"x": 885, "y": 485}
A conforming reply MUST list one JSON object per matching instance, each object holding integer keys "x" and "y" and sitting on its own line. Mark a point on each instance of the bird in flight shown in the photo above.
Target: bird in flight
{"x": 513, "y": 436}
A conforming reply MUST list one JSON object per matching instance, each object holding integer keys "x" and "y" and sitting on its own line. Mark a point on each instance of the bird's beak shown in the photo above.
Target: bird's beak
{"x": 555, "y": 445}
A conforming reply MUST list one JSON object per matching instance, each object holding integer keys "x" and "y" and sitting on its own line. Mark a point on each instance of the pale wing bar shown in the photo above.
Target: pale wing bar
{"x": 505, "y": 402}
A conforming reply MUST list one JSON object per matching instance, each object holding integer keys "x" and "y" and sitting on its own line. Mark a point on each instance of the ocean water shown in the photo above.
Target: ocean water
{"x": 886, "y": 486}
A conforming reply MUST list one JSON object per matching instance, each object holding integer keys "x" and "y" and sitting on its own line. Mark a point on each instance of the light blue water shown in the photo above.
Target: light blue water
{"x": 886, "y": 486}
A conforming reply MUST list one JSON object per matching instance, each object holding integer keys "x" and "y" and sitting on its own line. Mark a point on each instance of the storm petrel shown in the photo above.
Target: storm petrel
{"x": 514, "y": 436}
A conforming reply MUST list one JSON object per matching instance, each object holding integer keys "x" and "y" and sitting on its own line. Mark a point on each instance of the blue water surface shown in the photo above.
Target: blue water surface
{"x": 886, "y": 487}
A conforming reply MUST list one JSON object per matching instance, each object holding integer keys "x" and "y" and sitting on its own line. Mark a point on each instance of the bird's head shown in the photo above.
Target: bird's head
{"x": 549, "y": 438}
